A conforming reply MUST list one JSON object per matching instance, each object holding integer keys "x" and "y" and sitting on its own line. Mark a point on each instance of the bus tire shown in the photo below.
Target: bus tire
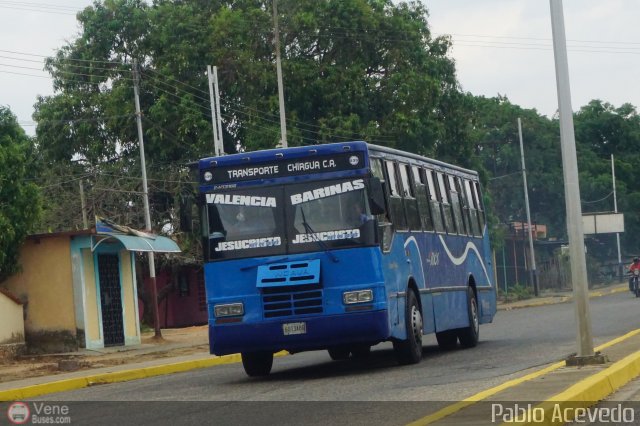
{"x": 469, "y": 335}
{"x": 257, "y": 363}
{"x": 339, "y": 353}
{"x": 409, "y": 351}
{"x": 447, "y": 340}
{"x": 360, "y": 352}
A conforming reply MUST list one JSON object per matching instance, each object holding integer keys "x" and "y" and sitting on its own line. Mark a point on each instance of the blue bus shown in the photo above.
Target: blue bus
{"x": 339, "y": 247}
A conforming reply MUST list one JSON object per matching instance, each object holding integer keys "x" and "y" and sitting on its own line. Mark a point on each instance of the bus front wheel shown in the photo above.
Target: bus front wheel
{"x": 257, "y": 363}
{"x": 409, "y": 351}
{"x": 339, "y": 353}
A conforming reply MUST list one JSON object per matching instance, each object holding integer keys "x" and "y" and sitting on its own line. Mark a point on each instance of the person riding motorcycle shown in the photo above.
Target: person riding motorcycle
{"x": 633, "y": 267}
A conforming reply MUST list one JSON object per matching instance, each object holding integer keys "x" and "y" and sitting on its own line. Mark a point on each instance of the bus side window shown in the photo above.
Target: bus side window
{"x": 464, "y": 202}
{"x": 376, "y": 168}
{"x": 434, "y": 201}
{"x": 456, "y": 206}
{"x": 447, "y": 214}
{"x": 421, "y": 195}
{"x": 477, "y": 194}
{"x": 385, "y": 233}
{"x": 395, "y": 198}
{"x": 410, "y": 202}
{"x": 473, "y": 210}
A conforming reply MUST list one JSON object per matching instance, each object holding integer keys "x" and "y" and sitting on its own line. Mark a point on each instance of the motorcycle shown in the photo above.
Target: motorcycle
{"x": 634, "y": 281}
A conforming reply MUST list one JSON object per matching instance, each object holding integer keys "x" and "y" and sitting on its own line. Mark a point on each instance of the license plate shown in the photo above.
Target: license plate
{"x": 294, "y": 328}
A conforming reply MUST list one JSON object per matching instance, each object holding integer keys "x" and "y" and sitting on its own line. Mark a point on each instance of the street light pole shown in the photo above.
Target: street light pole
{"x": 571, "y": 185}
{"x": 615, "y": 210}
{"x": 533, "y": 274}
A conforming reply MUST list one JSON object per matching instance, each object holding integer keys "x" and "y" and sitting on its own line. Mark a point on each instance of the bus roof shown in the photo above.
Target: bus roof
{"x": 278, "y": 153}
{"x": 334, "y": 159}
{"x": 303, "y": 151}
{"x": 405, "y": 154}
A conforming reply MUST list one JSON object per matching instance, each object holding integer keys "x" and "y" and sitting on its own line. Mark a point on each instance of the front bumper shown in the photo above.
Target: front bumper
{"x": 322, "y": 332}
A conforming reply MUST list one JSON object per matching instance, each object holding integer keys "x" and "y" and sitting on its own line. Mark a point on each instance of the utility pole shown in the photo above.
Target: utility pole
{"x": 615, "y": 210}
{"x": 218, "y": 115}
{"x": 145, "y": 199}
{"x": 585, "y": 352}
{"x": 283, "y": 124}
{"x": 83, "y": 206}
{"x": 533, "y": 275}
{"x": 214, "y": 123}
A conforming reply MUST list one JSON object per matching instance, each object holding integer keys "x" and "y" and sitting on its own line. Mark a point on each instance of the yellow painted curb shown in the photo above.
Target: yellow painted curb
{"x": 561, "y": 408}
{"x": 561, "y": 299}
{"x": 480, "y": 396}
{"x": 117, "y": 376}
{"x": 454, "y": 408}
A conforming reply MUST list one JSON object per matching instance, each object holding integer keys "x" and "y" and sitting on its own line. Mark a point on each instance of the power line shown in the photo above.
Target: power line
{"x": 15, "y": 52}
{"x": 43, "y": 5}
{"x": 29, "y": 75}
{"x": 541, "y": 39}
{"x": 27, "y": 9}
{"x": 72, "y": 121}
{"x": 58, "y": 72}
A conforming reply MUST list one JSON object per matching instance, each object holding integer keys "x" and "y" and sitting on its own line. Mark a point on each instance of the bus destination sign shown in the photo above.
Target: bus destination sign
{"x": 283, "y": 168}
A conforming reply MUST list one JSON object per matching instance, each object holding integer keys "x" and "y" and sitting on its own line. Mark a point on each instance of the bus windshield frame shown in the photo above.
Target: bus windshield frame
{"x": 288, "y": 218}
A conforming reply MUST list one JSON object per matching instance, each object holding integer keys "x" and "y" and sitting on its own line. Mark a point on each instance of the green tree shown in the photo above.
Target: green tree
{"x": 603, "y": 130}
{"x": 494, "y": 133}
{"x": 19, "y": 197}
{"x": 353, "y": 69}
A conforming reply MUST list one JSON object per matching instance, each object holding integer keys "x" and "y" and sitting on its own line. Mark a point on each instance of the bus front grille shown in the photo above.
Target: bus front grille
{"x": 292, "y": 301}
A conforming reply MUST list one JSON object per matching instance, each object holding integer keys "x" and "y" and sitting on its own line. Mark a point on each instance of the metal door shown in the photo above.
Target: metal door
{"x": 111, "y": 299}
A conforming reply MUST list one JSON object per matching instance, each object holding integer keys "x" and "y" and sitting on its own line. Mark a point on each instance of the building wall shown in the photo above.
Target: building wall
{"x": 129, "y": 298}
{"x": 92, "y": 322}
{"x": 46, "y": 286}
{"x": 185, "y": 303}
{"x": 11, "y": 321}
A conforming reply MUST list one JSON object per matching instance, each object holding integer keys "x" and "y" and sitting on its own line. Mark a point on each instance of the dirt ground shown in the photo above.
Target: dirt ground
{"x": 175, "y": 342}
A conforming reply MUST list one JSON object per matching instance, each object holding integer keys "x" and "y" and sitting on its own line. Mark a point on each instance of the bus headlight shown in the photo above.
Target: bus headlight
{"x": 360, "y": 296}
{"x": 228, "y": 310}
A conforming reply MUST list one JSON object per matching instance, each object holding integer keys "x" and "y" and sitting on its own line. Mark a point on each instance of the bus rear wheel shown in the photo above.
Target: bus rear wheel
{"x": 469, "y": 335}
{"x": 360, "y": 352}
{"x": 257, "y": 363}
{"x": 409, "y": 351}
{"x": 339, "y": 353}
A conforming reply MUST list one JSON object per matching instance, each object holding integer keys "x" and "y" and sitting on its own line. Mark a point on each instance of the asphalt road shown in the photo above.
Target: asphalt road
{"x": 309, "y": 388}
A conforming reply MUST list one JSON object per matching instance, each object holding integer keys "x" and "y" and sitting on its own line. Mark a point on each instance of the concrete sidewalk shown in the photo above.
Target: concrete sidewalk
{"x": 552, "y": 391}
{"x": 554, "y": 297}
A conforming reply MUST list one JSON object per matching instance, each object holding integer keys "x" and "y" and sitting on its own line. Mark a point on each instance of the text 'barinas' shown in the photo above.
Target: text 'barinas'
{"x": 327, "y": 191}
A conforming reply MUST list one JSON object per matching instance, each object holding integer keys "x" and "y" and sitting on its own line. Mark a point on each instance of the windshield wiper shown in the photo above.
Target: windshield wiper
{"x": 321, "y": 243}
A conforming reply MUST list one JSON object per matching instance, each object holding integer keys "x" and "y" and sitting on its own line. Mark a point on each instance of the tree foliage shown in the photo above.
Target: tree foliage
{"x": 353, "y": 69}
{"x": 19, "y": 196}
{"x": 603, "y": 130}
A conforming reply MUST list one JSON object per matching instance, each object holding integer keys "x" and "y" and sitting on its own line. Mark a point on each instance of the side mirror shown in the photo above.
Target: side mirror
{"x": 376, "y": 196}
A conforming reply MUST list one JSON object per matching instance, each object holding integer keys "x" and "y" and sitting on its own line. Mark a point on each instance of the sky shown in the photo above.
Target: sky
{"x": 501, "y": 47}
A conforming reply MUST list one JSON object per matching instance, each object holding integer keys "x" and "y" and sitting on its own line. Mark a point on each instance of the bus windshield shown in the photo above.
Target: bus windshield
{"x": 245, "y": 222}
{"x": 254, "y": 222}
{"x": 335, "y": 213}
